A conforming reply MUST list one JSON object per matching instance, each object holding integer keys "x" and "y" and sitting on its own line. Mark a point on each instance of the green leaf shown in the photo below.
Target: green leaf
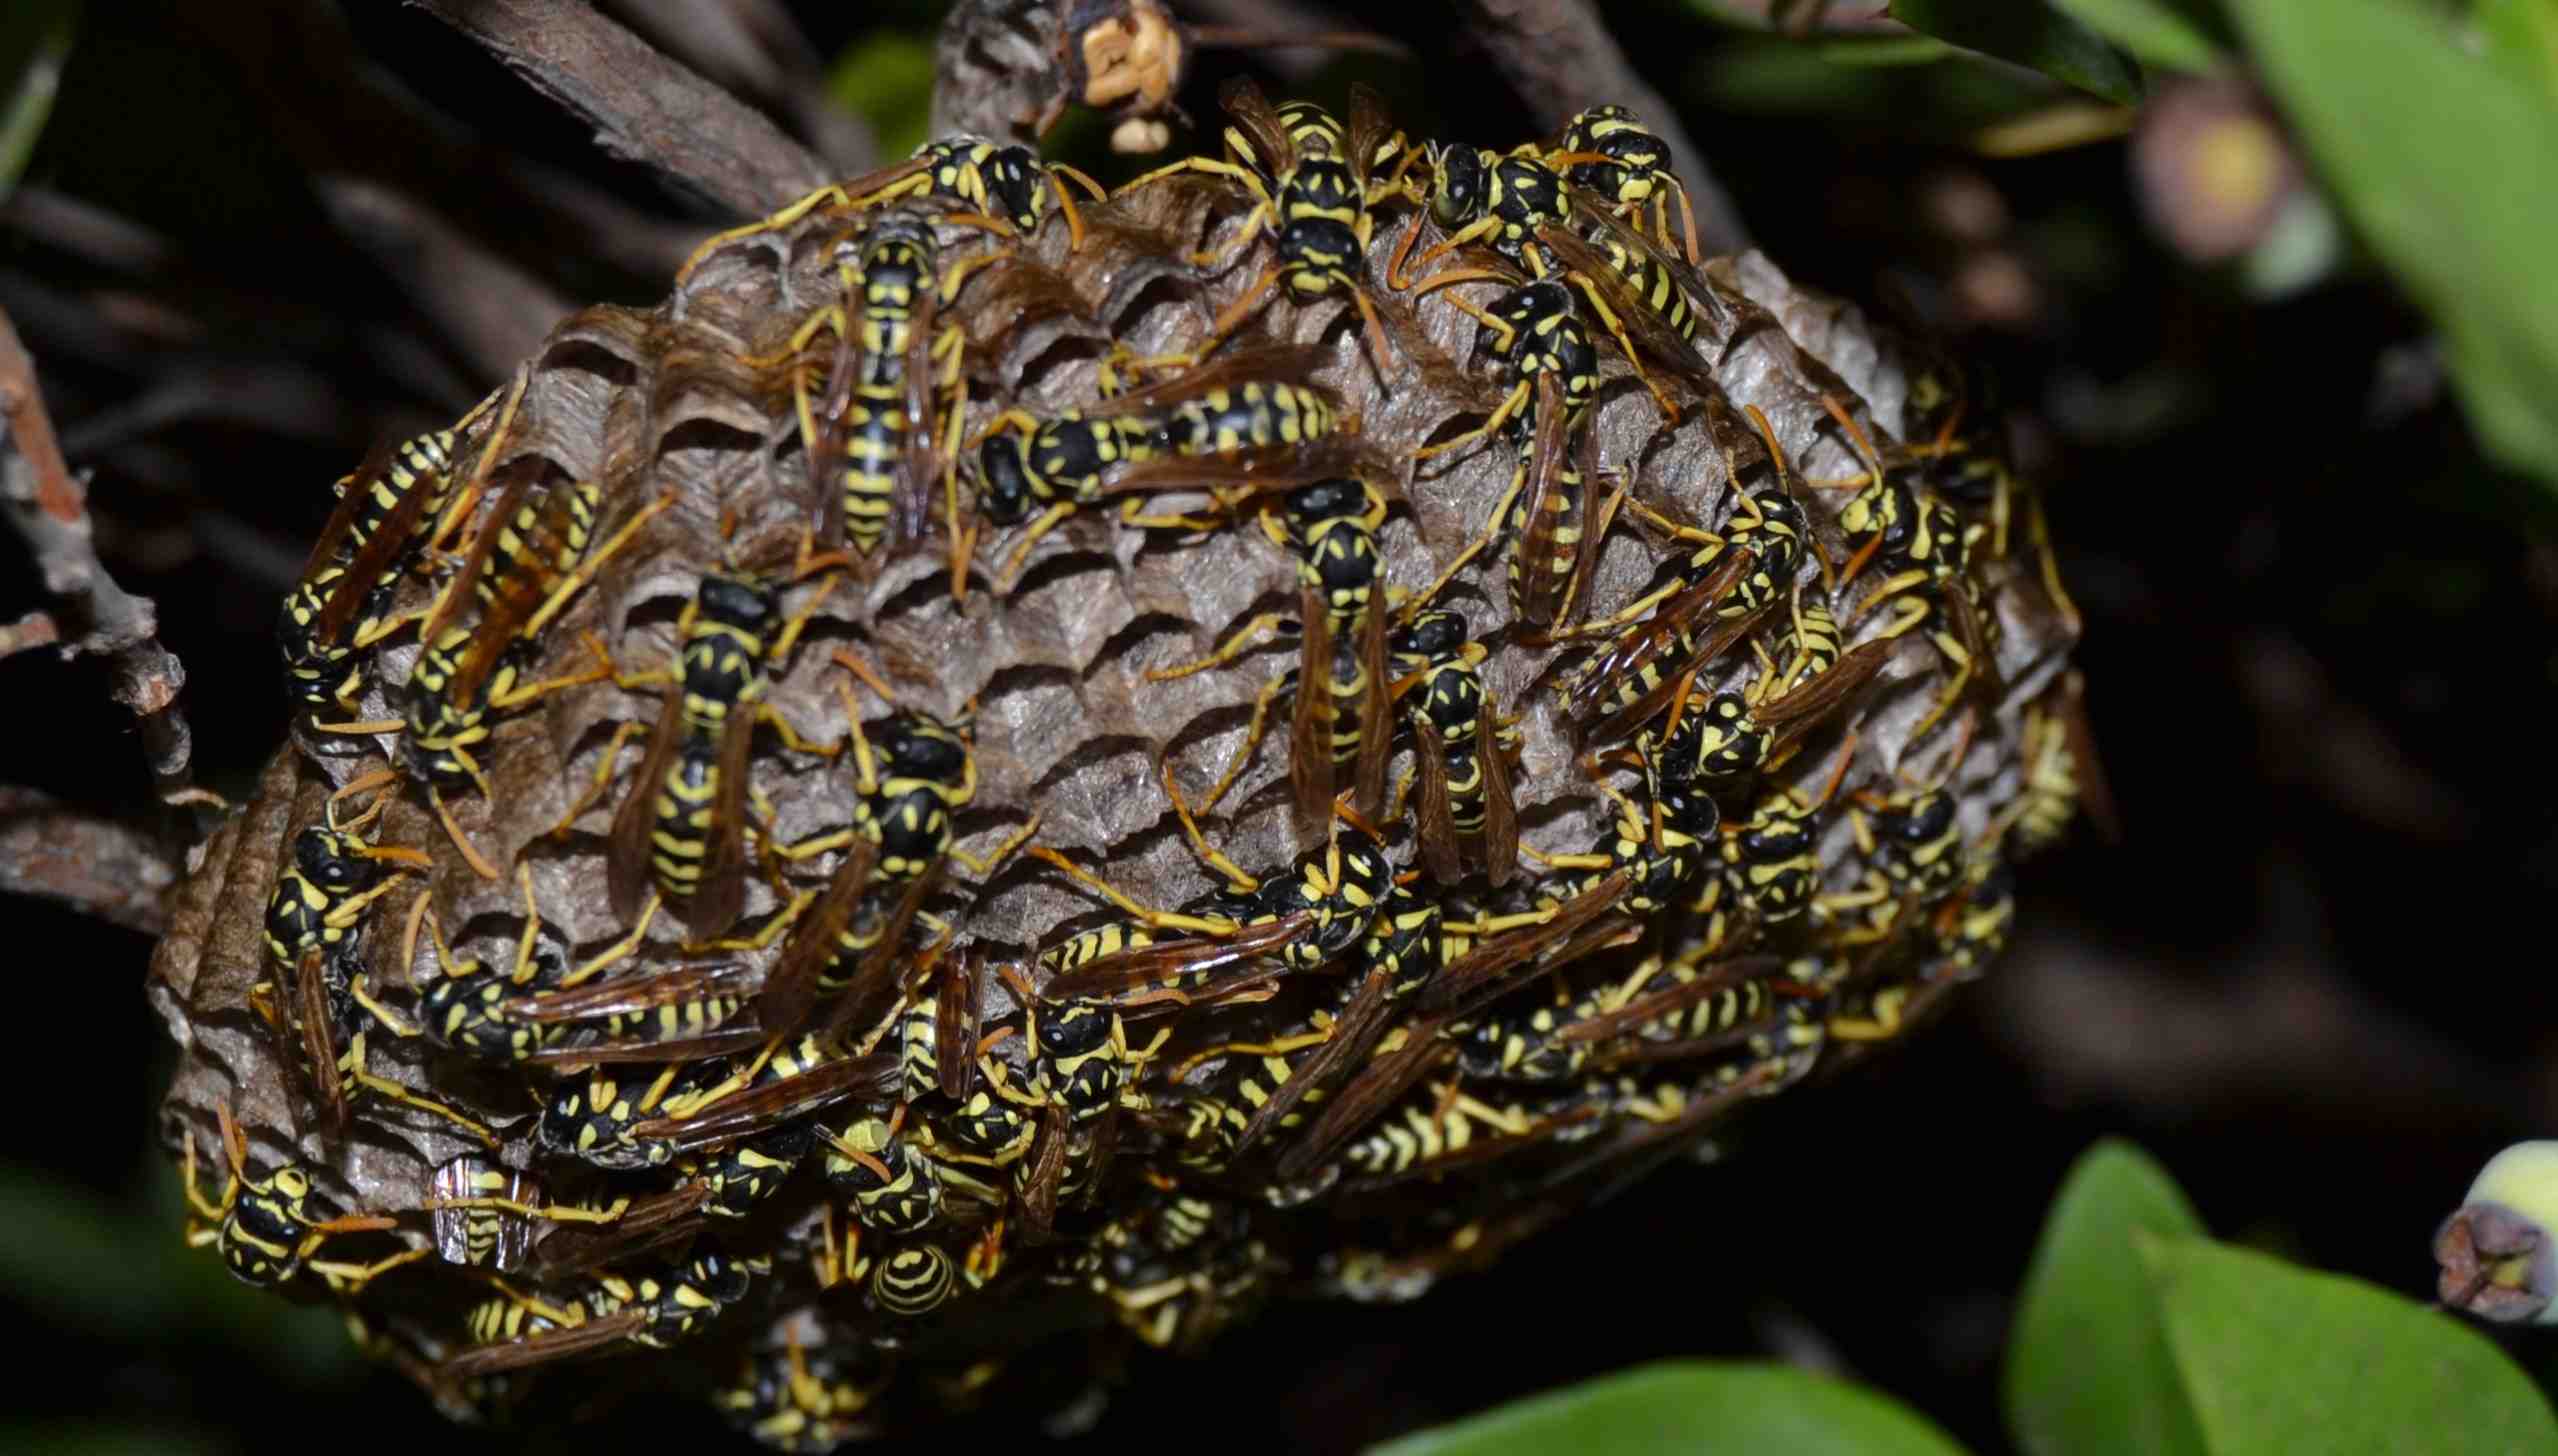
{"x": 887, "y": 76}
{"x": 2279, "y": 1359}
{"x": 1691, "y": 1409}
{"x": 2448, "y": 163}
{"x": 2088, "y": 1369}
{"x": 2172, "y": 35}
{"x": 2030, "y": 33}
{"x": 35, "y": 41}
{"x": 2523, "y": 35}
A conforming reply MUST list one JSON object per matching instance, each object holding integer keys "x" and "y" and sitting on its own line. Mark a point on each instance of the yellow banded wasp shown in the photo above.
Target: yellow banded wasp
{"x": 314, "y": 921}
{"x": 527, "y": 562}
{"x": 1002, "y": 186}
{"x": 1312, "y": 183}
{"x": 681, "y": 824}
{"x": 1461, "y": 746}
{"x": 1499, "y": 953}
{"x": 538, "y": 1014}
{"x": 1331, "y": 526}
{"x": 1305, "y": 919}
{"x": 1637, "y": 169}
{"x": 1919, "y": 539}
{"x": 878, "y": 424}
{"x": 1771, "y": 859}
{"x": 1521, "y": 206}
{"x": 265, "y": 1229}
{"x": 1731, "y": 734}
{"x": 2062, "y": 773}
{"x": 1395, "y": 961}
{"x": 356, "y": 566}
{"x": 805, "y": 1404}
{"x": 1730, "y": 581}
{"x": 1537, "y": 336}
{"x": 938, "y": 1033}
{"x": 1245, "y": 419}
{"x": 1655, "y": 850}
{"x": 656, "y": 1311}
{"x": 1437, "y": 1130}
{"x": 913, "y": 773}
{"x": 614, "y": 1122}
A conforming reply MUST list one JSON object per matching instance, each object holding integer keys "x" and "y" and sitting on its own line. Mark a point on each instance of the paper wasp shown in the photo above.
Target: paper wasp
{"x": 1730, "y": 581}
{"x": 1772, "y": 858}
{"x": 681, "y": 824}
{"x": 1637, "y": 169}
{"x": 1521, "y": 206}
{"x": 2062, "y": 773}
{"x": 265, "y": 1228}
{"x": 690, "y": 1107}
{"x": 1918, "y": 538}
{"x": 314, "y": 923}
{"x": 1003, "y": 187}
{"x": 1312, "y": 183}
{"x": 1331, "y": 527}
{"x": 1396, "y": 960}
{"x": 1243, "y": 419}
{"x": 656, "y": 1311}
{"x": 1503, "y": 952}
{"x": 1461, "y": 747}
{"x": 912, "y": 773}
{"x": 1536, "y": 334}
{"x": 803, "y": 1404}
{"x": 878, "y": 425}
{"x": 1305, "y": 919}
{"x": 525, "y": 565}
{"x": 528, "y": 1015}
{"x": 355, "y": 567}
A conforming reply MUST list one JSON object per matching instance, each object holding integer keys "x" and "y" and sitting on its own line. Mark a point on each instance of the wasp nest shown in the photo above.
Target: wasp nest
{"x": 1102, "y": 759}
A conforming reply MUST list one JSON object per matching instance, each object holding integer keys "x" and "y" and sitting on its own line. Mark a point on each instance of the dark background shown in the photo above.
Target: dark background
{"x": 2312, "y": 979}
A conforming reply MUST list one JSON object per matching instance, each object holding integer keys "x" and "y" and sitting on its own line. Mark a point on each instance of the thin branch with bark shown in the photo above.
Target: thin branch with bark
{"x": 645, "y": 108}
{"x": 48, "y": 508}
{"x": 98, "y": 867}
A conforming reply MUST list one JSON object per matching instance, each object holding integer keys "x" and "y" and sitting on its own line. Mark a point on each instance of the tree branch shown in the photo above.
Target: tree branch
{"x": 48, "y": 508}
{"x": 755, "y": 49}
{"x": 1559, "y": 57}
{"x": 95, "y": 866}
{"x": 644, "y": 107}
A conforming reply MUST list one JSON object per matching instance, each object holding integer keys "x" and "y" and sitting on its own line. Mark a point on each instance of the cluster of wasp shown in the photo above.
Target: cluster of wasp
{"x": 713, "y": 1050}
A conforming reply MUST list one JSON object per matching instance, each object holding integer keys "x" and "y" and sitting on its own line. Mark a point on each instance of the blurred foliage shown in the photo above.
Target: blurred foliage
{"x": 2277, "y": 1359}
{"x": 2449, "y": 164}
{"x": 2138, "y": 1336}
{"x": 887, "y": 77}
{"x": 2087, "y": 1306}
{"x": 2030, "y": 34}
{"x": 2171, "y": 35}
{"x": 35, "y": 40}
{"x": 1694, "y": 1408}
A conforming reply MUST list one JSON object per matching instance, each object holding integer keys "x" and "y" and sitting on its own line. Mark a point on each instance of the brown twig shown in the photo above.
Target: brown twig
{"x": 644, "y": 107}
{"x": 96, "y": 866}
{"x": 755, "y": 49}
{"x": 1559, "y": 57}
{"x": 48, "y": 508}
